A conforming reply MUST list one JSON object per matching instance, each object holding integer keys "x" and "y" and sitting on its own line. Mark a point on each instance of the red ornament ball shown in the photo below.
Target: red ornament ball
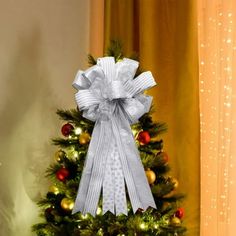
{"x": 62, "y": 174}
{"x": 179, "y": 213}
{"x": 164, "y": 157}
{"x": 66, "y": 129}
{"x": 143, "y": 137}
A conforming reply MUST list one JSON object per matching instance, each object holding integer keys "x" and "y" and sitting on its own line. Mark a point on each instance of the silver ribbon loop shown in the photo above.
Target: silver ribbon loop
{"x": 110, "y": 96}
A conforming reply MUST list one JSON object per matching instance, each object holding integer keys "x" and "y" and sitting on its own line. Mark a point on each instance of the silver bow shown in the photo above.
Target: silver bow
{"x": 110, "y": 96}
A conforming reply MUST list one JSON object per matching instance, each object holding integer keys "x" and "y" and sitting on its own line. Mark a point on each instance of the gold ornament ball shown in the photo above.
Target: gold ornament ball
{"x": 54, "y": 189}
{"x": 84, "y": 138}
{"x": 151, "y": 176}
{"x": 67, "y": 204}
{"x": 175, "y": 221}
{"x": 175, "y": 182}
{"x": 59, "y": 156}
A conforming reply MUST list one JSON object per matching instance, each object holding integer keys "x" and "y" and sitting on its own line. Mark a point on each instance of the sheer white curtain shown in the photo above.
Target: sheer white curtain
{"x": 217, "y": 60}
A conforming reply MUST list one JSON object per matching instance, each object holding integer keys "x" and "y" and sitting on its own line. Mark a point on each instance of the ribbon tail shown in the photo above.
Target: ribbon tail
{"x": 114, "y": 197}
{"x": 132, "y": 190}
{"x": 86, "y": 174}
{"x": 138, "y": 187}
{"x": 119, "y": 183}
{"x": 108, "y": 186}
{"x": 92, "y": 177}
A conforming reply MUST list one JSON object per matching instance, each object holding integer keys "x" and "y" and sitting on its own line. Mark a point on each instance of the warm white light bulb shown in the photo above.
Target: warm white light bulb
{"x": 78, "y": 130}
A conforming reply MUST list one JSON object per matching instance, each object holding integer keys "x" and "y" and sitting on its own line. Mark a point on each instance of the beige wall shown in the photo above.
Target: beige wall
{"x": 42, "y": 44}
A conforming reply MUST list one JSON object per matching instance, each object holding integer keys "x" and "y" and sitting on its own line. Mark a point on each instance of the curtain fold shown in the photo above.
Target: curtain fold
{"x": 96, "y": 27}
{"x": 217, "y": 57}
{"x": 164, "y": 34}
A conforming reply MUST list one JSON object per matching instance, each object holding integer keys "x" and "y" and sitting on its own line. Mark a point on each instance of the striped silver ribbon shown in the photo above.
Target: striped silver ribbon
{"x": 109, "y": 94}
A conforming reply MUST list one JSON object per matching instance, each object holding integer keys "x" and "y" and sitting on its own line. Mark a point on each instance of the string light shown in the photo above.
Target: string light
{"x": 75, "y": 154}
{"x": 86, "y": 216}
{"x": 99, "y": 211}
{"x": 78, "y": 131}
{"x": 143, "y": 226}
{"x": 156, "y": 226}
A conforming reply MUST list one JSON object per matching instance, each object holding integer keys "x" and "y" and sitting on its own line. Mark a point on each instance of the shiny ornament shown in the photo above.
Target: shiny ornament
{"x": 67, "y": 204}
{"x": 67, "y": 129}
{"x": 84, "y": 138}
{"x": 151, "y": 176}
{"x": 54, "y": 189}
{"x": 175, "y": 182}
{"x": 62, "y": 174}
{"x": 164, "y": 157}
{"x": 143, "y": 137}
{"x": 179, "y": 213}
{"x": 59, "y": 156}
{"x": 175, "y": 221}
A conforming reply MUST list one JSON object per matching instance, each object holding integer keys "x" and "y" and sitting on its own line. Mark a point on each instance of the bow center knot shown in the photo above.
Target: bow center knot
{"x": 106, "y": 109}
{"x": 116, "y": 90}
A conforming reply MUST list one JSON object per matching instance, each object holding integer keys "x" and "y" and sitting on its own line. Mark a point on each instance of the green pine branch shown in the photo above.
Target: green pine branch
{"x": 91, "y": 60}
{"x": 151, "y": 147}
{"x": 115, "y": 50}
{"x": 158, "y": 129}
{"x": 65, "y": 143}
{"x": 162, "y": 189}
{"x": 44, "y": 203}
{"x": 154, "y": 161}
{"x": 75, "y": 116}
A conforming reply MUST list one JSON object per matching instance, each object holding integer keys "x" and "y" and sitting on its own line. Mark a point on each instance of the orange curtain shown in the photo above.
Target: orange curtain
{"x": 96, "y": 27}
{"x": 217, "y": 57}
{"x": 164, "y": 34}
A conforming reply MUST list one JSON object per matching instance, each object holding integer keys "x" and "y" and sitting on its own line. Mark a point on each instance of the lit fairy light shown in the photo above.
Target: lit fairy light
{"x": 75, "y": 154}
{"x": 99, "y": 211}
{"x": 84, "y": 216}
{"x": 143, "y": 226}
{"x": 156, "y": 226}
{"x": 78, "y": 131}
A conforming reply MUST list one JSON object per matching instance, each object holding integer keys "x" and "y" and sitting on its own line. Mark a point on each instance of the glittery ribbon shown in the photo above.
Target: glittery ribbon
{"x": 109, "y": 95}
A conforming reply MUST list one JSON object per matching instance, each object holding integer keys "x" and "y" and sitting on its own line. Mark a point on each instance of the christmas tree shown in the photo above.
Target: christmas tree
{"x": 66, "y": 171}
